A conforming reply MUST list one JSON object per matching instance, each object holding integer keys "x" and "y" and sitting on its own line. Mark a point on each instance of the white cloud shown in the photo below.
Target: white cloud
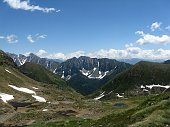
{"x": 140, "y": 33}
{"x": 26, "y": 53}
{"x": 167, "y": 28}
{"x": 36, "y": 37}
{"x": 56, "y": 56}
{"x": 10, "y": 38}
{"x": 42, "y": 36}
{"x": 41, "y": 53}
{"x": 152, "y": 39}
{"x": 127, "y": 53}
{"x": 26, "y": 5}
{"x": 75, "y": 54}
{"x": 30, "y": 38}
{"x": 155, "y": 26}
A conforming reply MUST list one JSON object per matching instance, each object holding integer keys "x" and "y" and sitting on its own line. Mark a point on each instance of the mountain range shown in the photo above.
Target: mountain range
{"x": 84, "y": 74}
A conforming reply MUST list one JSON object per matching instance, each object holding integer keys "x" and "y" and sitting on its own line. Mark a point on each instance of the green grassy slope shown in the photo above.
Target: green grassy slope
{"x": 154, "y": 111}
{"x": 16, "y": 78}
{"x": 143, "y": 73}
{"x": 41, "y": 74}
{"x": 57, "y": 96}
{"x": 5, "y": 60}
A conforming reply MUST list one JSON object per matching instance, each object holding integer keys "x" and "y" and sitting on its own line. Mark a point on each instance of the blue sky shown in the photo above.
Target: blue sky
{"x": 97, "y": 28}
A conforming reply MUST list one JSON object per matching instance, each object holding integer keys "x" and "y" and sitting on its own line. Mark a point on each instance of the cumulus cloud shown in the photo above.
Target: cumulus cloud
{"x": 56, "y": 56}
{"x": 155, "y": 26}
{"x": 34, "y": 38}
{"x": 10, "y": 38}
{"x": 127, "y": 53}
{"x": 152, "y": 39}
{"x": 26, "y": 5}
{"x": 30, "y": 38}
{"x": 41, "y": 53}
{"x": 75, "y": 54}
{"x": 26, "y": 53}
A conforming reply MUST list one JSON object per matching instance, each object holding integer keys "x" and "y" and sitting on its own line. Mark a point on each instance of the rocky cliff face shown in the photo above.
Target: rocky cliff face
{"x": 92, "y": 68}
{"x": 50, "y": 64}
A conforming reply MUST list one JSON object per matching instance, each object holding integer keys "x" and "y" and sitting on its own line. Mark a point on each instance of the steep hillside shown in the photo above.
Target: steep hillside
{"x": 20, "y": 95}
{"x": 41, "y": 74}
{"x": 153, "y": 112}
{"x": 143, "y": 76}
{"x": 5, "y": 60}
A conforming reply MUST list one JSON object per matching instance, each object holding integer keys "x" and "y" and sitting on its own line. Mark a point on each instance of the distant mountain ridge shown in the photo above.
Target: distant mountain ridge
{"x": 50, "y": 64}
{"x": 93, "y": 68}
{"x": 136, "y": 60}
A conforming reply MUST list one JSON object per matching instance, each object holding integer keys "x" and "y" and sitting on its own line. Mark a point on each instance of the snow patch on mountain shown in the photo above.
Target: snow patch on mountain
{"x": 62, "y": 75}
{"x": 68, "y": 77}
{"x": 100, "y": 96}
{"x": 145, "y": 90}
{"x": 22, "y": 89}
{"x": 94, "y": 69}
{"x": 119, "y": 96}
{"x": 94, "y": 74}
{"x": 35, "y": 88}
{"x": 85, "y": 72}
{"x": 26, "y": 90}
{"x": 159, "y": 86}
{"x": 39, "y": 99}
{"x": 45, "y": 110}
{"x": 102, "y": 76}
{"x": 22, "y": 61}
{"x": 6, "y": 97}
{"x": 7, "y": 71}
{"x": 54, "y": 71}
{"x": 142, "y": 87}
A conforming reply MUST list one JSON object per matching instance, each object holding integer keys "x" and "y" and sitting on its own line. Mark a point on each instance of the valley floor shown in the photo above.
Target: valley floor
{"x": 146, "y": 111}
